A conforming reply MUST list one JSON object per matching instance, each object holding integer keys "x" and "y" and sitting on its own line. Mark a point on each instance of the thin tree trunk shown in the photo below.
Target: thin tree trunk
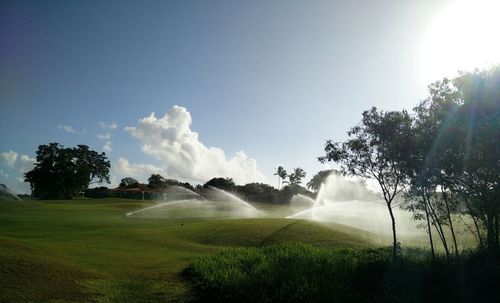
{"x": 480, "y": 238}
{"x": 429, "y": 229}
{"x": 490, "y": 225}
{"x": 445, "y": 197}
{"x": 497, "y": 223}
{"x": 394, "y": 238}
{"x": 439, "y": 228}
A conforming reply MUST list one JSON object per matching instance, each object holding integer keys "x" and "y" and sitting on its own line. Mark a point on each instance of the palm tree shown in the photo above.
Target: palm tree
{"x": 296, "y": 176}
{"x": 281, "y": 173}
{"x": 318, "y": 179}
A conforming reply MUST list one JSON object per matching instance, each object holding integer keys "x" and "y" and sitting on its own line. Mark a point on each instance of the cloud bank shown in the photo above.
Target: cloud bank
{"x": 171, "y": 140}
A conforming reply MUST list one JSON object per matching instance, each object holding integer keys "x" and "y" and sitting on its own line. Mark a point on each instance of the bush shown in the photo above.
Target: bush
{"x": 301, "y": 273}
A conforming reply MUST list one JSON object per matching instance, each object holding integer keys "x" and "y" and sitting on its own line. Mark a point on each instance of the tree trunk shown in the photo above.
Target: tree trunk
{"x": 429, "y": 229}
{"x": 497, "y": 224}
{"x": 474, "y": 219}
{"x": 491, "y": 237}
{"x": 394, "y": 238}
{"x": 445, "y": 197}
{"x": 439, "y": 228}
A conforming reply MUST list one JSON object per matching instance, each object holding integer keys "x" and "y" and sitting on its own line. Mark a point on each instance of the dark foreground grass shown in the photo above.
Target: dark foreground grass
{"x": 302, "y": 273}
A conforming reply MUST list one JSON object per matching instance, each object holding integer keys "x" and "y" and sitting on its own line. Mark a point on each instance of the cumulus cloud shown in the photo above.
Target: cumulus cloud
{"x": 123, "y": 168}
{"x": 8, "y": 158}
{"x": 171, "y": 140}
{"x": 15, "y": 165}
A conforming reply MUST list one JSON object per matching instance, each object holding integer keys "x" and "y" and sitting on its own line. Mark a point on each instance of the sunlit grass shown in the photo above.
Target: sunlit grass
{"x": 83, "y": 250}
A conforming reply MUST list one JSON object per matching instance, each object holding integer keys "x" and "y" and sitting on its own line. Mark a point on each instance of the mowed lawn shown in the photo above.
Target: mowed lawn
{"x": 88, "y": 250}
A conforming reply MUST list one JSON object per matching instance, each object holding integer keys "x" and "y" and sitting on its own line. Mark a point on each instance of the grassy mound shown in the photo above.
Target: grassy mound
{"x": 302, "y": 273}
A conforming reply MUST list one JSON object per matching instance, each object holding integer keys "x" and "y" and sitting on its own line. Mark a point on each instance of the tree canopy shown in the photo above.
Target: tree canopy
{"x": 376, "y": 149}
{"x": 62, "y": 173}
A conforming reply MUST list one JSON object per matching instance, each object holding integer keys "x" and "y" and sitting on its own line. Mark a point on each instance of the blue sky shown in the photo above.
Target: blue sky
{"x": 273, "y": 79}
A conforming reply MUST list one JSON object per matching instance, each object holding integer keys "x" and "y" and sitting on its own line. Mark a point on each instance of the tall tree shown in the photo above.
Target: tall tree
{"x": 62, "y": 173}
{"x": 478, "y": 123}
{"x": 296, "y": 177}
{"x": 376, "y": 149}
{"x": 281, "y": 173}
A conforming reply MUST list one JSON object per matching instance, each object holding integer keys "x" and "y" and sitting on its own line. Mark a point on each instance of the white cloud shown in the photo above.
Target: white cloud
{"x": 70, "y": 129}
{"x": 8, "y": 158}
{"x": 111, "y": 126}
{"x": 105, "y": 136}
{"x": 107, "y": 147}
{"x": 67, "y": 128}
{"x": 123, "y": 168}
{"x": 171, "y": 140}
{"x": 17, "y": 165}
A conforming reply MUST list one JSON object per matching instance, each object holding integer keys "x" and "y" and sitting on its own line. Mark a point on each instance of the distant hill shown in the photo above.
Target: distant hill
{"x": 7, "y": 194}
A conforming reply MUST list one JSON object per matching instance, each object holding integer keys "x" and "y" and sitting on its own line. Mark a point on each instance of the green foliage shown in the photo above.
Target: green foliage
{"x": 221, "y": 183}
{"x": 377, "y": 149}
{"x": 301, "y": 273}
{"x": 62, "y": 173}
{"x": 296, "y": 177}
{"x": 319, "y": 178}
{"x": 288, "y": 191}
{"x": 282, "y": 174}
{"x": 127, "y": 181}
{"x": 258, "y": 192}
{"x": 98, "y": 192}
{"x": 158, "y": 181}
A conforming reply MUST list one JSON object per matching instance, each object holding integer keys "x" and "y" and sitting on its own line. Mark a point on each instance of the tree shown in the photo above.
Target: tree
{"x": 258, "y": 192}
{"x": 318, "y": 179}
{"x": 377, "y": 149}
{"x": 62, "y": 173}
{"x": 127, "y": 181}
{"x": 478, "y": 123}
{"x": 433, "y": 159}
{"x": 296, "y": 177}
{"x": 221, "y": 183}
{"x": 156, "y": 181}
{"x": 281, "y": 173}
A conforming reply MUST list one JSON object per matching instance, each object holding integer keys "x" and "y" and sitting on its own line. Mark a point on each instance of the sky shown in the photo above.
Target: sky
{"x": 201, "y": 89}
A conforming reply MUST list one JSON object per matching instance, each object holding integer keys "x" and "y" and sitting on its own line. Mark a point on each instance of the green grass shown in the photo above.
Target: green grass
{"x": 88, "y": 250}
{"x": 302, "y": 273}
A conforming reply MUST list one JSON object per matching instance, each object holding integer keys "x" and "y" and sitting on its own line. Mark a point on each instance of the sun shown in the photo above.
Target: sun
{"x": 464, "y": 36}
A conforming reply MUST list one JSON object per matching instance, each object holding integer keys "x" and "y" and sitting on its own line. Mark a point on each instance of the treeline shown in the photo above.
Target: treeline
{"x": 252, "y": 192}
{"x": 444, "y": 156}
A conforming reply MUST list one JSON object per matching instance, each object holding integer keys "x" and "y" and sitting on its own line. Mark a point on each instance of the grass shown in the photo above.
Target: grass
{"x": 302, "y": 273}
{"x": 88, "y": 250}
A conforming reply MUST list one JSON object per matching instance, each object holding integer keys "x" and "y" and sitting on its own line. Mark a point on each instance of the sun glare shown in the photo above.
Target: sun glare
{"x": 465, "y": 35}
